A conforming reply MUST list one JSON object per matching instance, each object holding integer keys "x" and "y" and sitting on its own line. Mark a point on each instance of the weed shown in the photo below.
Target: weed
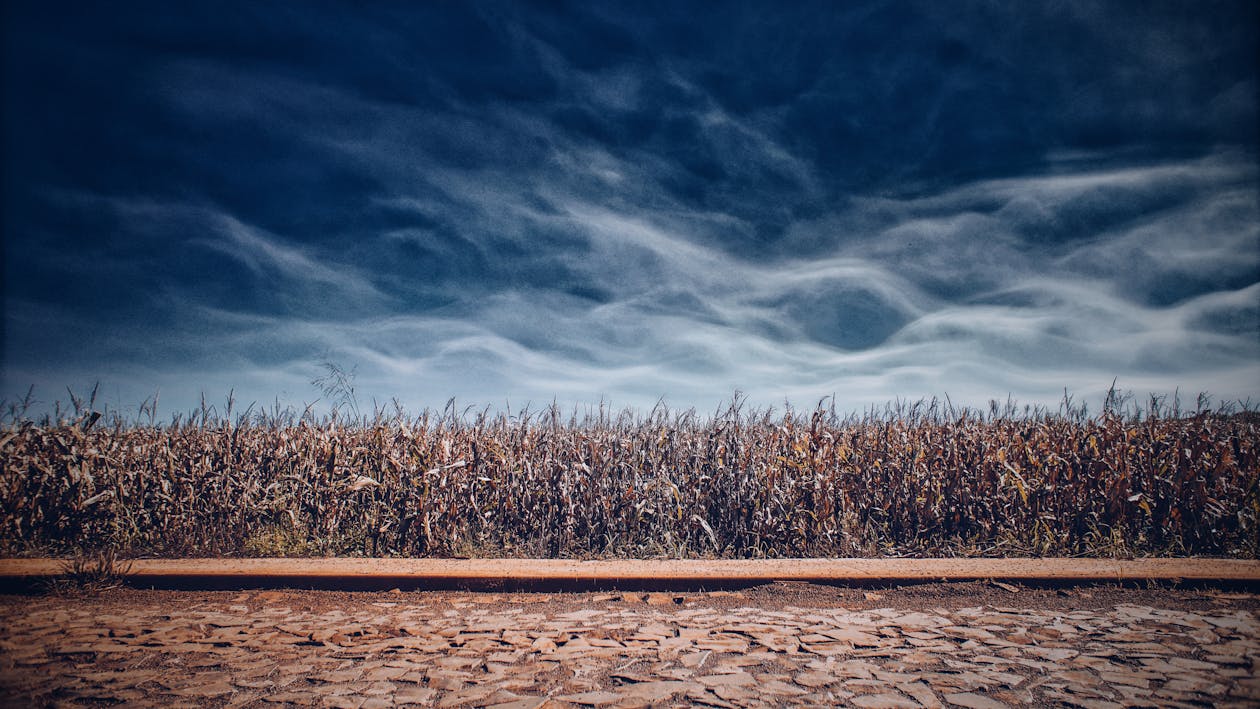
{"x": 89, "y": 573}
{"x": 278, "y": 541}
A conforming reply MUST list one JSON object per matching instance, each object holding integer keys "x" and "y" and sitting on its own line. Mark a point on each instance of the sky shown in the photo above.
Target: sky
{"x": 626, "y": 202}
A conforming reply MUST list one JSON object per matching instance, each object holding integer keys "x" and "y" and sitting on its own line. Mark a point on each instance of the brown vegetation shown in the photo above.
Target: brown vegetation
{"x": 919, "y": 479}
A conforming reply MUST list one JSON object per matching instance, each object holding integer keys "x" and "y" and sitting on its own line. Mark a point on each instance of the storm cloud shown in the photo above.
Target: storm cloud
{"x": 511, "y": 202}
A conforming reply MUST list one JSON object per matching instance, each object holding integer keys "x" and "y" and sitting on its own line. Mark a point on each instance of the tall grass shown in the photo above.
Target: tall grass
{"x": 909, "y": 479}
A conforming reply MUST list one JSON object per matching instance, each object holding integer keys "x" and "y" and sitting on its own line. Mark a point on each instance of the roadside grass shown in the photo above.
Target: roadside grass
{"x": 89, "y": 573}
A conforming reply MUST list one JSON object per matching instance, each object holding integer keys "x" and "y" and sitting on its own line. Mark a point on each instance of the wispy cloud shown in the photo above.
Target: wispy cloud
{"x": 269, "y": 258}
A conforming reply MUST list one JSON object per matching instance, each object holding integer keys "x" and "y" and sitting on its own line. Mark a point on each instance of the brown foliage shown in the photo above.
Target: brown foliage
{"x": 905, "y": 481}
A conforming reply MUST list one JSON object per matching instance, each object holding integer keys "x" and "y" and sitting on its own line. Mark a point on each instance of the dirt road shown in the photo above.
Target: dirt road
{"x": 967, "y": 645}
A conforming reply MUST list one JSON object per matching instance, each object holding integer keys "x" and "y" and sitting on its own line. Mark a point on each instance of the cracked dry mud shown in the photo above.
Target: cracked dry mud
{"x": 964, "y": 645}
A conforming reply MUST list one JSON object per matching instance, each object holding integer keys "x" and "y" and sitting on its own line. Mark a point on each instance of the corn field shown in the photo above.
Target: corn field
{"x": 909, "y": 480}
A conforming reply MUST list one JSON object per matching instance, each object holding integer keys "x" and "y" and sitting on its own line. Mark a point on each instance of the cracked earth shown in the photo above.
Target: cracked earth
{"x": 959, "y": 645}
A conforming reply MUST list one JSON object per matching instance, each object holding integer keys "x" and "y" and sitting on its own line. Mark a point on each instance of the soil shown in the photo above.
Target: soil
{"x": 979, "y": 644}
{"x": 773, "y": 595}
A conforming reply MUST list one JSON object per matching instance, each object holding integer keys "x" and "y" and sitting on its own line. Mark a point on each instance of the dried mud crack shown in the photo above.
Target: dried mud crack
{"x": 943, "y": 645}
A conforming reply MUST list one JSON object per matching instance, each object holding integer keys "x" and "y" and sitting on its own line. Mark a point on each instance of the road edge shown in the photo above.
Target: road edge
{"x": 560, "y": 574}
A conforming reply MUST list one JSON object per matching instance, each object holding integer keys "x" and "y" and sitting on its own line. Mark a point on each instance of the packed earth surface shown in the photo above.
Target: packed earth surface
{"x": 933, "y": 645}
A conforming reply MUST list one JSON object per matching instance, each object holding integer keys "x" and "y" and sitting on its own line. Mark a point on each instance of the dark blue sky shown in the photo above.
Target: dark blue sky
{"x": 514, "y": 201}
